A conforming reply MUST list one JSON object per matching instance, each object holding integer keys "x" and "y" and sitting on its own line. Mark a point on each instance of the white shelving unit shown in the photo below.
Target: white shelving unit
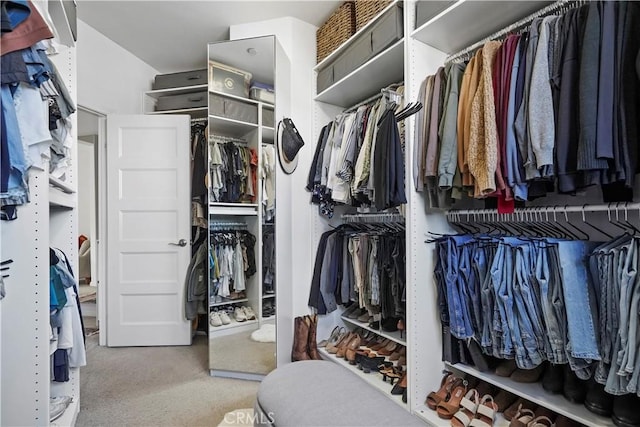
{"x": 373, "y": 378}
{"x": 241, "y": 209}
{"x": 535, "y": 393}
{"x": 231, "y": 127}
{"x": 424, "y": 49}
{"x": 48, "y": 220}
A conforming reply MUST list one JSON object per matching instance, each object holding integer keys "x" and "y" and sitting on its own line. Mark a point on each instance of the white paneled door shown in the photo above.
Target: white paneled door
{"x": 148, "y": 230}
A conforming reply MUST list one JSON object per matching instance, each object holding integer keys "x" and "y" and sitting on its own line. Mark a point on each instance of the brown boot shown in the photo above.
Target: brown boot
{"x": 313, "y": 345}
{"x": 300, "y": 350}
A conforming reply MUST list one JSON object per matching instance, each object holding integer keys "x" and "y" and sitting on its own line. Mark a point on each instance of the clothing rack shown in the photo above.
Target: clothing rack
{"x": 383, "y": 92}
{"x": 382, "y": 217}
{"x": 543, "y": 213}
{"x": 560, "y": 5}
{"x": 227, "y": 226}
{"x": 223, "y": 139}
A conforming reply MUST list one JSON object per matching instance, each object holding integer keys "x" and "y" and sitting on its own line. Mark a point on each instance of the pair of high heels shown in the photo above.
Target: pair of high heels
{"x": 393, "y": 373}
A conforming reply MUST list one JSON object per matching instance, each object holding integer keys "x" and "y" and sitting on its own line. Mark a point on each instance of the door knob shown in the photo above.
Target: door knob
{"x": 182, "y": 243}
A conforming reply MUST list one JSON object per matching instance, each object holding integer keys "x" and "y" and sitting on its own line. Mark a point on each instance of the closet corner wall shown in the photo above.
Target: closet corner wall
{"x": 48, "y": 220}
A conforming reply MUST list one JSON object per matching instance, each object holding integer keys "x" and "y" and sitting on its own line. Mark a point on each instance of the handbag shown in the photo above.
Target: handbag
{"x": 289, "y": 144}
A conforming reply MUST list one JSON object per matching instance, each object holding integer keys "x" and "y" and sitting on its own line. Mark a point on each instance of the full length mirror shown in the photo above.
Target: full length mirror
{"x": 241, "y": 192}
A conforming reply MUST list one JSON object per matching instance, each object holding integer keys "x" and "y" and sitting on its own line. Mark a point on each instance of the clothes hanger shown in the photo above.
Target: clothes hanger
{"x": 566, "y": 219}
{"x": 626, "y": 222}
{"x": 584, "y": 221}
{"x": 615, "y": 224}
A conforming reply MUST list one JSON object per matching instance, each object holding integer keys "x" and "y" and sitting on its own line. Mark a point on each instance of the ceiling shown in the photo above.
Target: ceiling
{"x": 172, "y": 35}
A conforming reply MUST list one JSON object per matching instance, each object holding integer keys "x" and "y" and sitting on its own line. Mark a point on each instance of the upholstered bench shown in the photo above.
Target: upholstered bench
{"x": 318, "y": 393}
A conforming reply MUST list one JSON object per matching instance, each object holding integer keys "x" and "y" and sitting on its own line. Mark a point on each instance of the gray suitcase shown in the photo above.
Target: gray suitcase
{"x": 426, "y": 10}
{"x": 184, "y": 79}
{"x": 233, "y": 109}
{"x": 181, "y": 102}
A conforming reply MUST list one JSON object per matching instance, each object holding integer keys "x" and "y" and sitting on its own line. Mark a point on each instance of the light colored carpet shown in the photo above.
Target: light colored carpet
{"x": 239, "y": 353}
{"x": 239, "y": 417}
{"x": 156, "y": 386}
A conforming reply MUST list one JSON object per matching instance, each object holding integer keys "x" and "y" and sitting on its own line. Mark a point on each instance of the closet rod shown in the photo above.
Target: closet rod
{"x": 515, "y": 26}
{"x": 383, "y": 91}
{"x": 385, "y": 217}
{"x": 609, "y": 208}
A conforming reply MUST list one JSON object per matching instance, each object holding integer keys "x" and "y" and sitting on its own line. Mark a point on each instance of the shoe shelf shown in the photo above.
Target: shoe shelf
{"x": 233, "y": 324}
{"x": 373, "y": 378}
{"x": 266, "y": 296}
{"x": 393, "y": 336}
{"x": 432, "y": 418}
{"x": 535, "y": 393}
{"x": 226, "y": 301}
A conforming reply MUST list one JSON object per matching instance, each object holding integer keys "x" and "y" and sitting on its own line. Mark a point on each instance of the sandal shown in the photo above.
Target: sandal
{"x": 541, "y": 421}
{"x": 447, "y": 409}
{"x": 486, "y": 413}
{"x": 522, "y": 418}
{"x": 436, "y": 397}
{"x": 468, "y": 408}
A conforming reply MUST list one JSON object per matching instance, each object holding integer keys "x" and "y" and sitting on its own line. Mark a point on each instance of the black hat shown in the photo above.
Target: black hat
{"x": 289, "y": 143}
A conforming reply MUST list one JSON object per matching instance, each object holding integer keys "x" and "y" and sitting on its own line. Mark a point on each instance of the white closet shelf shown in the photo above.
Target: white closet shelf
{"x": 535, "y": 393}
{"x": 230, "y": 127}
{"x": 233, "y": 324}
{"x": 431, "y": 417}
{"x": 373, "y": 378}
{"x": 242, "y": 209}
{"x": 236, "y": 97}
{"x": 393, "y": 336}
{"x": 266, "y": 296}
{"x": 193, "y": 112}
{"x": 466, "y": 22}
{"x": 60, "y": 184}
{"x": 226, "y": 301}
{"x": 60, "y": 199}
{"x": 378, "y": 72}
{"x": 176, "y": 91}
{"x": 61, "y": 22}
{"x": 272, "y": 317}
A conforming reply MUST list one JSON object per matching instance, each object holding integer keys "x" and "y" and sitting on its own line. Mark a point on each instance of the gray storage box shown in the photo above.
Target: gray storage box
{"x": 387, "y": 30}
{"x": 268, "y": 117}
{"x": 325, "y": 78}
{"x": 226, "y": 79}
{"x": 181, "y": 102}
{"x": 184, "y": 79}
{"x": 233, "y": 109}
{"x": 426, "y": 10}
{"x": 262, "y": 95}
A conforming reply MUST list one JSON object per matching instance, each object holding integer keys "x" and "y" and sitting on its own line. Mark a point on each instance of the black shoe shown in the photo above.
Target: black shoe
{"x": 552, "y": 381}
{"x": 390, "y": 324}
{"x": 625, "y": 411}
{"x": 574, "y": 389}
{"x": 598, "y": 401}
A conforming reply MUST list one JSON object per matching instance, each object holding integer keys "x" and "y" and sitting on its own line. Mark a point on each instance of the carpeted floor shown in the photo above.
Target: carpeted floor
{"x": 156, "y": 386}
{"x": 238, "y": 352}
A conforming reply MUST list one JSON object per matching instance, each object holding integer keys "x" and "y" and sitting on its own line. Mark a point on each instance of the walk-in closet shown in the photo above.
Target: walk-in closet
{"x": 450, "y": 233}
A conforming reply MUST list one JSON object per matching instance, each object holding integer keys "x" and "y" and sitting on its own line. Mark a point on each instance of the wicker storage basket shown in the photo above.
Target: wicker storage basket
{"x": 339, "y": 27}
{"x": 367, "y": 9}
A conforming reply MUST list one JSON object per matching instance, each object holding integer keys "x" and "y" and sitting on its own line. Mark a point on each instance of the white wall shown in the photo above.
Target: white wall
{"x": 298, "y": 40}
{"x": 110, "y": 78}
{"x": 86, "y": 187}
